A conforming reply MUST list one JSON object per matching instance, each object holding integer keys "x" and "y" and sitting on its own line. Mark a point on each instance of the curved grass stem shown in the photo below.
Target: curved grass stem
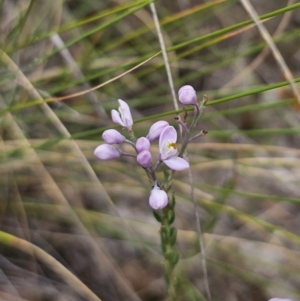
{"x": 29, "y": 248}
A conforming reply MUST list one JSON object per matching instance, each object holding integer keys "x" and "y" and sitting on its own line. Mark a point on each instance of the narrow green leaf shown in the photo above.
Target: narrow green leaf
{"x": 157, "y": 216}
{"x": 173, "y": 236}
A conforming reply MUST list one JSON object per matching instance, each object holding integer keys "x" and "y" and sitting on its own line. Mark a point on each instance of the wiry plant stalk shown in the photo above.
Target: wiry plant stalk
{"x": 200, "y": 237}
{"x": 164, "y": 53}
{"x": 168, "y": 239}
{"x": 171, "y": 84}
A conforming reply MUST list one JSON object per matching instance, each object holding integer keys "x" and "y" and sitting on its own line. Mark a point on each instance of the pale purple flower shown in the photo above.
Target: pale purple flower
{"x": 158, "y": 198}
{"x": 123, "y": 117}
{"x": 168, "y": 150}
{"x": 156, "y": 129}
{"x": 144, "y": 158}
{"x": 112, "y": 136}
{"x": 280, "y": 299}
{"x": 142, "y": 144}
{"x": 187, "y": 95}
{"x": 107, "y": 152}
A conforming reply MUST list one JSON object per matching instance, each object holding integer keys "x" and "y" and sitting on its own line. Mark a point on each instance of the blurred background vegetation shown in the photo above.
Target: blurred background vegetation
{"x": 93, "y": 217}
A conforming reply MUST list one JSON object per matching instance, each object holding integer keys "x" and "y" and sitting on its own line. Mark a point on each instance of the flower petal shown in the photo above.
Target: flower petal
{"x": 107, "y": 152}
{"x": 168, "y": 135}
{"x": 176, "y": 163}
{"x": 142, "y": 144}
{"x": 144, "y": 158}
{"x": 125, "y": 114}
{"x": 156, "y": 129}
{"x": 158, "y": 198}
{"x": 115, "y": 116}
{"x": 112, "y": 136}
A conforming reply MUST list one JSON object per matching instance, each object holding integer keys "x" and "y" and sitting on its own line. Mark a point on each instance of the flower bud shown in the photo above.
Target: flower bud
{"x": 156, "y": 129}
{"x": 107, "y": 152}
{"x": 112, "y": 136}
{"x": 142, "y": 144}
{"x": 144, "y": 158}
{"x": 187, "y": 95}
{"x": 158, "y": 198}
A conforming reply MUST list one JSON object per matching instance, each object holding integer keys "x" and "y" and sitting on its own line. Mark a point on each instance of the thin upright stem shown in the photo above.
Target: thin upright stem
{"x": 164, "y": 53}
{"x": 200, "y": 237}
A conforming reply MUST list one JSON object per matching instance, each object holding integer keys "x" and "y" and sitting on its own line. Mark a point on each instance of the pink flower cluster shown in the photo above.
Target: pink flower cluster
{"x": 160, "y": 130}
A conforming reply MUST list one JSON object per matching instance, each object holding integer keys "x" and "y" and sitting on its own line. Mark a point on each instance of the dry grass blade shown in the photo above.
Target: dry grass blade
{"x": 276, "y": 53}
{"x": 260, "y": 58}
{"x": 54, "y": 99}
{"x": 65, "y": 53}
